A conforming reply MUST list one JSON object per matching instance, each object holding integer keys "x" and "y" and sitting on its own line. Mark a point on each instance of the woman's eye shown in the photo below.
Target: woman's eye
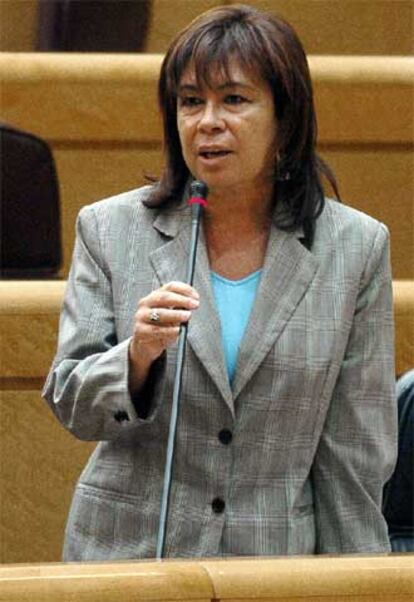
{"x": 235, "y": 99}
{"x": 190, "y": 101}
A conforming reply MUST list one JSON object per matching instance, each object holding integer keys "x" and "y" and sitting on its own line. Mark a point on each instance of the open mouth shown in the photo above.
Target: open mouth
{"x": 214, "y": 154}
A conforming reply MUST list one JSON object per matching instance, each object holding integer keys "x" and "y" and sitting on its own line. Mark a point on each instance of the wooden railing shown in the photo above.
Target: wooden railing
{"x": 301, "y": 579}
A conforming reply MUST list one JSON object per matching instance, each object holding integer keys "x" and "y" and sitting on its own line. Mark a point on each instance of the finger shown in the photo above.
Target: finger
{"x": 167, "y": 317}
{"x": 181, "y": 288}
{"x": 162, "y": 335}
{"x": 162, "y": 298}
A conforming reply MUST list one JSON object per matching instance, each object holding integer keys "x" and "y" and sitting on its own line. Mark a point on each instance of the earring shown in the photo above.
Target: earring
{"x": 282, "y": 174}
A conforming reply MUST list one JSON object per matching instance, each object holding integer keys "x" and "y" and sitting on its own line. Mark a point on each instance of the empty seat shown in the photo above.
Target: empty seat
{"x": 30, "y": 225}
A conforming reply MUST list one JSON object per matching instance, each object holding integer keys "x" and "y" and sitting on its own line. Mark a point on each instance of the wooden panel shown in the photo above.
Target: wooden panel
{"x": 93, "y": 172}
{"x": 39, "y": 464}
{"x": 349, "y": 578}
{"x": 168, "y": 17}
{"x": 327, "y": 579}
{"x": 113, "y": 97}
{"x": 379, "y": 180}
{"x": 29, "y": 318}
{"x": 79, "y": 97}
{"x": 363, "y": 27}
{"x": 129, "y": 582}
{"x": 18, "y": 25}
{"x": 364, "y": 99}
{"x": 404, "y": 325}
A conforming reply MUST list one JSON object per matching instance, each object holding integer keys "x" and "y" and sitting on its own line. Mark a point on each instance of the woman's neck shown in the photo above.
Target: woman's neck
{"x": 236, "y": 232}
{"x": 252, "y": 207}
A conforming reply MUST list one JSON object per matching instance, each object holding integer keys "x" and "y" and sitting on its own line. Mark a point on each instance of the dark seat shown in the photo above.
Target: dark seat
{"x": 93, "y": 25}
{"x": 398, "y": 505}
{"x": 30, "y": 223}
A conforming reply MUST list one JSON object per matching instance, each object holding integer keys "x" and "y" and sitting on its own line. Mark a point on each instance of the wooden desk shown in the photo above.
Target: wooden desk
{"x": 297, "y": 579}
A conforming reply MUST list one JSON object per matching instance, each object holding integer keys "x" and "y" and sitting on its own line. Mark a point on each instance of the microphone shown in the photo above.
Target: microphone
{"x": 197, "y": 201}
{"x": 199, "y": 193}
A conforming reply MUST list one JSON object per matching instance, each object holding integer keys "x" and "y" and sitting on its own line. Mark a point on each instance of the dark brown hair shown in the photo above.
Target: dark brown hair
{"x": 270, "y": 47}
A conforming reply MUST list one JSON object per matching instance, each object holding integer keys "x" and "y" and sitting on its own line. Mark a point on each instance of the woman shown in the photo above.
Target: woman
{"x": 287, "y": 429}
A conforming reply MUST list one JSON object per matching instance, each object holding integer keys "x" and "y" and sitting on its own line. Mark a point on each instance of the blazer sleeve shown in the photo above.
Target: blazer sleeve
{"x": 87, "y": 386}
{"x": 357, "y": 450}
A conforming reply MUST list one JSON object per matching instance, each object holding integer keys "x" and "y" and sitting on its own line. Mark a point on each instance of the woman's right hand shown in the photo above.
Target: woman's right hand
{"x": 157, "y": 325}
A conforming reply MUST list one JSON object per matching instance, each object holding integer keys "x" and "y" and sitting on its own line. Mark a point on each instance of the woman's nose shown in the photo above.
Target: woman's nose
{"x": 211, "y": 117}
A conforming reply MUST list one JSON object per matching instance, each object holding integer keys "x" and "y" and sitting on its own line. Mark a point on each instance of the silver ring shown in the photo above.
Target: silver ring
{"x": 154, "y": 316}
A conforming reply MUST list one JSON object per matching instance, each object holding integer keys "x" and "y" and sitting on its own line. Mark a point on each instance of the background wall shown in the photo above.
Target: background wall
{"x": 325, "y": 26}
{"x": 18, "y": 25}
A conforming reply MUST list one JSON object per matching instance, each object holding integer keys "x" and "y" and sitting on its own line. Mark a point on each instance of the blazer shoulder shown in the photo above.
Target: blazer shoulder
{"x": 348, "y": 240}
{"x": 108, "y": 228}
{"x": 339, "y": 221}
{"x": 129, "y": 201}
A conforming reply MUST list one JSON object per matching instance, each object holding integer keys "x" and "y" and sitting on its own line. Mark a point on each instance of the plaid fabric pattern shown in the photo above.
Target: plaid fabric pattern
{"x": 312, "y": 409}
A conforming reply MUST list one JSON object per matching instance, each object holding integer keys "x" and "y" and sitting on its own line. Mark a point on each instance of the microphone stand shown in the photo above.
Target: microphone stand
{"x": 198, "y": 194}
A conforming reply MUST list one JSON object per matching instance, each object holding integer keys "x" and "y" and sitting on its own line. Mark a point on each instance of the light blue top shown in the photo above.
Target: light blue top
{"x": 234, "y": 301}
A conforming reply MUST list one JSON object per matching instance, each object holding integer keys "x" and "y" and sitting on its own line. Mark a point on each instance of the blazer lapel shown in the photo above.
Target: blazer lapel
{"x": 170, "y": 263}
{"x": 288, "y": 270}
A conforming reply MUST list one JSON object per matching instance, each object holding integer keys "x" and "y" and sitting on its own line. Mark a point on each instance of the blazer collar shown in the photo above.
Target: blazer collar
{"x": 170, "y": 263}
{"x": 170, "y": 221}
{"x": 288, "y": 271}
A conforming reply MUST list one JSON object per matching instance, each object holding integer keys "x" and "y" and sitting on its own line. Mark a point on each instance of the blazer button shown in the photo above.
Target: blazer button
{"x": 218, "y": 505}
{"x": 120, "y": 416}
{"x": 225, "y": 436}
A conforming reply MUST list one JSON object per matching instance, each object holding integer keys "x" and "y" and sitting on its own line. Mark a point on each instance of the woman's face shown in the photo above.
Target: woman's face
{"x": 228, "y": 131}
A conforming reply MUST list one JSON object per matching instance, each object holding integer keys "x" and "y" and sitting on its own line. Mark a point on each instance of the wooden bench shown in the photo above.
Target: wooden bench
{"x": 99, "y": 113}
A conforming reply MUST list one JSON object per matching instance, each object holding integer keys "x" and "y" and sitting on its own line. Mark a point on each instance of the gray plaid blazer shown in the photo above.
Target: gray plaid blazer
{"x": 312, "y": 409}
